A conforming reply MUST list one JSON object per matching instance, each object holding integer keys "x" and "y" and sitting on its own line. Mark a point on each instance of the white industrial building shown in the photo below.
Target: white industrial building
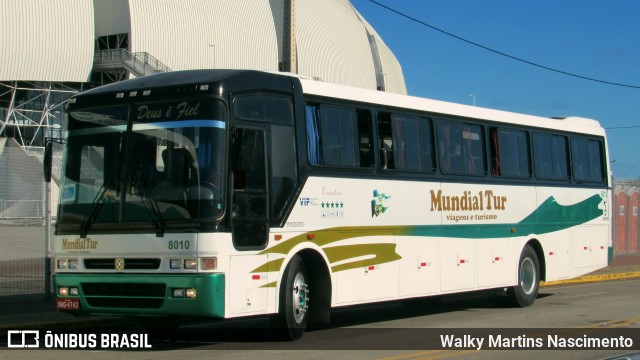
{"x": 52, "y": 49}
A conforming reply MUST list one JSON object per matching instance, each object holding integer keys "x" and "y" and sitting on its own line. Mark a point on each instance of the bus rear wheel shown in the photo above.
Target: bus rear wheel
{"x": 294, "y": 300}
{"x": 526, "y": 291}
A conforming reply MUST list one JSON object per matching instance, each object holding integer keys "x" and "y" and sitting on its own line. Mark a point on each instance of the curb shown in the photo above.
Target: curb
{"x": 594, "y": 278}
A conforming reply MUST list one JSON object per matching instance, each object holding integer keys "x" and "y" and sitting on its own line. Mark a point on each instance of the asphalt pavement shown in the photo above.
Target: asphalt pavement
{"x": 35, "y": 312}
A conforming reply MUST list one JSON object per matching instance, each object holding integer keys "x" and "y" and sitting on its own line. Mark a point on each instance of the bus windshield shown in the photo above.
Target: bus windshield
{"x": 149, "y": 165}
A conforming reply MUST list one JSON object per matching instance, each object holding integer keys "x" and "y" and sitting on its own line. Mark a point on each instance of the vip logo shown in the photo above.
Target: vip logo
{"x": 23, "y": 338}
{"x": 305, "y": 201}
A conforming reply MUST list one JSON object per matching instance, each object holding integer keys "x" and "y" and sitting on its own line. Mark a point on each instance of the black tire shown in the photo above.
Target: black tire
{"x": 526, "y": 291}
{"x": 294, "y": 300}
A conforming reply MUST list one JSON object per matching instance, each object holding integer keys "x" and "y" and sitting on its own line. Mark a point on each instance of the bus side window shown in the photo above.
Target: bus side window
{"x": 586, "y": 155}
{"x": 405, "y": 142}
{"x": 413, "y": 138}
{"x": 338, "y": 135}
{"x": 551, "y": 156}
{"x": 461, "y": 148}
{"x": 510, "y": 153}
{"x": 314, "y": 151}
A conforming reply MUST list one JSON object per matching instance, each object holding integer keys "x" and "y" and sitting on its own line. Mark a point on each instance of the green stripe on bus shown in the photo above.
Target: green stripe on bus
{"x": 548, "y": 217}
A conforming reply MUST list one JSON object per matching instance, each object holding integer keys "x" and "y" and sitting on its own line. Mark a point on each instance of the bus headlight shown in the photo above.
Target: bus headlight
{"x": 208, "y": 263}
{"x": 183, "y": 263}
{"x": 189, "y": 293}
{"x": 176, "y": 263}
{"x": 64, "y": 264}
{"x": 190, "y": 263}
{"x": 68, "y": 291}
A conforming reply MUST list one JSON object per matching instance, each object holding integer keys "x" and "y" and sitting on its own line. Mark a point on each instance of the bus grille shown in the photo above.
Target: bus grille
{"x": 118, "y": 295}
{"x": 129, "y": 264}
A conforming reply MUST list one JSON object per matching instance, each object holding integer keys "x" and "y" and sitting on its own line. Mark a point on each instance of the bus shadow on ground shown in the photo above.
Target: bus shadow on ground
{"x": 259, "y": 333}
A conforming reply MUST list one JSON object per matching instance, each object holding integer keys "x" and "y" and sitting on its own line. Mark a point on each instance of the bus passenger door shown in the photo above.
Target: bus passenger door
{"x": 249, "y": 210}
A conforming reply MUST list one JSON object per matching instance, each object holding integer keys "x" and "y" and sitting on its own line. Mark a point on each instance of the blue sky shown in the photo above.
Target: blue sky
{"x": 596, "y": 39}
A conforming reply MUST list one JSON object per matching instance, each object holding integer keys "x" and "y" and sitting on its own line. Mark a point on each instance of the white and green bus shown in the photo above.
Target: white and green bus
{"x": 229, "y": 193}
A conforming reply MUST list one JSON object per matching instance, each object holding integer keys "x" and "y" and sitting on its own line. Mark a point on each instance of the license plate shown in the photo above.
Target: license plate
{"x": 68, "y": 304}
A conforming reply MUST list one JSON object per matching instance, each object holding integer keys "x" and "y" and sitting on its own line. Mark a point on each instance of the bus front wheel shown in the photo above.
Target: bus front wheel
{"x": 526, "y": 291}
{"x": 294, "y": 300}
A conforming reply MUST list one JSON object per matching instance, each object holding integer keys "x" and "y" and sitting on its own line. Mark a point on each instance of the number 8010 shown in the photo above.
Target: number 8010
{"x": 179, "y": 245}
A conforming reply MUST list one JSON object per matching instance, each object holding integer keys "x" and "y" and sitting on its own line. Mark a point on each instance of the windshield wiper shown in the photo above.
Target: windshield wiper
{"x": 100, "y": 198}
{"x": 96, "y": 206}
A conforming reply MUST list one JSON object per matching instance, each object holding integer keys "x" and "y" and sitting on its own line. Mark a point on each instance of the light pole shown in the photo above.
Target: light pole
{"x": 474, "y": 99}
{"x": 213, "y": 46}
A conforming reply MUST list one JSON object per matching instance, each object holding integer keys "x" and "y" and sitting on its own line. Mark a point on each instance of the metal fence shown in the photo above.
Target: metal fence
{"x": 22, "y": 261}
{"x": 24, "y": 204}
{"x": 21, "y": 209}
{"x": 140, "y": 63}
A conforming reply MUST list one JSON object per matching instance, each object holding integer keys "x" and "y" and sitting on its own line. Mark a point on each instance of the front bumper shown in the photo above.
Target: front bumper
{"x": 145, "y": 294}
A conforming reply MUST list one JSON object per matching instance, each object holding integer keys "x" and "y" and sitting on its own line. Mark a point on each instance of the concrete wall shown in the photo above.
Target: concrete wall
{"x": 46, "y": 40}
{"x": 626, "y": 235}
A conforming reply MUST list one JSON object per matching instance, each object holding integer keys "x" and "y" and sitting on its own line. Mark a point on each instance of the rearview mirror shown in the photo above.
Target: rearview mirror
{"x": 48, "y": 160}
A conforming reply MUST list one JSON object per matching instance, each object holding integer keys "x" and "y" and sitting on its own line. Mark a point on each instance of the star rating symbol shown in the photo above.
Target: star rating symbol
{"x": 332, "y": 205}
